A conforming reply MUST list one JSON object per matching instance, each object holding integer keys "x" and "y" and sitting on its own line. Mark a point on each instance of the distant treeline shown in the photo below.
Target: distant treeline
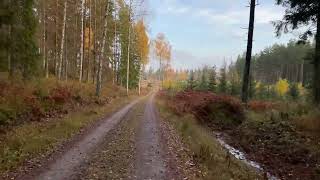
{"x": 292, "y": 61}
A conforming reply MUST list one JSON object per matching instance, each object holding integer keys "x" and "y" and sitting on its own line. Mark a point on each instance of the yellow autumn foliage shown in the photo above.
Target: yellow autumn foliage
{"x": 143, "y": 41}
{"x": 282, "y": 87}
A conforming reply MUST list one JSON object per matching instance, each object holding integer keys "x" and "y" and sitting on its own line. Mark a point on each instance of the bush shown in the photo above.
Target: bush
{"x": 208, "y": 108}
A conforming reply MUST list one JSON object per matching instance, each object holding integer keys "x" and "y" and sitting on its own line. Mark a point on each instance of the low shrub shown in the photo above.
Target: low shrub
{"x": 210, "y": 109}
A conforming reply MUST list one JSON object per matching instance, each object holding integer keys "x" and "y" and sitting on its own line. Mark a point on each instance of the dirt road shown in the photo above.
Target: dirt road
{"x": 149, "y": 162}
{"x": 128, "y": 145}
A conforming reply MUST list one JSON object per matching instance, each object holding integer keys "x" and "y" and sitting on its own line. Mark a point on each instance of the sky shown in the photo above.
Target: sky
{"x": 209, "y": 32}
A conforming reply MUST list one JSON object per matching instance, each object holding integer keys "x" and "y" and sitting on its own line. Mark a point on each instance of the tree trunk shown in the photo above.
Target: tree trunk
{"x": 66, "y": 61}
{"x": 10, "y": 64}
{"x": 160, "y": 73}
{"x": 81, "y": 41}
{"x": 317, "y": 62}
{"x": 45, "y": 59}
{"x": 301, "y": 72}
{"x": 139, "y": 81}
{"x": 44, "y": 39}
{"x": 249, "y": 53}
{"x": 56, "y": 42}
{"x": 115, "y": 46}
{"x": 94, "y": 43}
{"x": 89, "y": 50}
{"x": 104, "y": 39}
{"x": 129, "y": 39}
{"x": 62, "y": 38}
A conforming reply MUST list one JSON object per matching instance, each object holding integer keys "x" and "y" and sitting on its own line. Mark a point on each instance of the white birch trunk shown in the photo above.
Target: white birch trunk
{"x": 89, "y": 50}
{"x": 82, "y": 40}
{"x": 62, "y": 39}
{"x": 66, "y": 54}
{"x": 56, "y": 42}
{"x": 104, "y": 39}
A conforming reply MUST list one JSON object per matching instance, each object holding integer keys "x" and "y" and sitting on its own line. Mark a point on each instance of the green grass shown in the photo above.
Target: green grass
{"x": 207, "y": 151}
{"x": 33, "y": 139}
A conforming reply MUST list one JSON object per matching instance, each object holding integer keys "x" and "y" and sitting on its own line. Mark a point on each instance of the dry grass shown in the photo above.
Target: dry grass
{"x": 207, "y": 151}
{"x": 35, "y": 138}
{"x": 37, "y": 116}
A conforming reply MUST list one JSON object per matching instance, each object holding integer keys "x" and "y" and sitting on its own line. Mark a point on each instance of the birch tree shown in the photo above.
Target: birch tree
{"x": 163, "y": 53}
{"x": 104, "y": 39}
{"x": 82, "y": 40}
{"x": 63, "y": 38}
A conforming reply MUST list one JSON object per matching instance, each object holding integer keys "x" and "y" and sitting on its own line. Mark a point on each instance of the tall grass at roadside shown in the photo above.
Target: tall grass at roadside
{"x": 213, "y": 159}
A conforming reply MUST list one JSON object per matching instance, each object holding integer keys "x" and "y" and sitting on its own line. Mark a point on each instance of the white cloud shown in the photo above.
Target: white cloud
{"x": 264, "y": 13}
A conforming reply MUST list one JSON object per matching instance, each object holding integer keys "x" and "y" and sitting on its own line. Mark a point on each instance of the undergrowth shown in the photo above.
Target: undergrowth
{"x": 38, "y": 99}
{"x": 214, "y": 161}
{"x": 281, "y": 135}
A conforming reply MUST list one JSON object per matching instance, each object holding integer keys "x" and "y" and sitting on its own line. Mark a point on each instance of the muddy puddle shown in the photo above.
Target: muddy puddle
{"x": 242, "y": 157}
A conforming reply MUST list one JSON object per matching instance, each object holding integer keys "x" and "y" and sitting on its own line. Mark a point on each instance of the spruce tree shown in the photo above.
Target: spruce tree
{"x": 222, "y": 87}
{"x": 213, "y": 80}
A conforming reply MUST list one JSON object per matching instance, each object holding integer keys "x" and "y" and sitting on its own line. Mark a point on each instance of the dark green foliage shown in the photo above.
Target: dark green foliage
{"x": 18, "y": 25}
{"x": 212, "y": 85}
{"x": 280, "y": 61}
{"x": 222, "y": 87}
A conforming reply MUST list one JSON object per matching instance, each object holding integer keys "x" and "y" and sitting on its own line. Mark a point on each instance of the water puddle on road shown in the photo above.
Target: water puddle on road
{"x": 242, "y": 157}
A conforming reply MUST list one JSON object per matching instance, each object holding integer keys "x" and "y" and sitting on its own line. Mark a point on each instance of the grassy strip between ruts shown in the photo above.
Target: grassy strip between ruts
{"x": 207, "y": 152}
{"x": 34, "y": 139}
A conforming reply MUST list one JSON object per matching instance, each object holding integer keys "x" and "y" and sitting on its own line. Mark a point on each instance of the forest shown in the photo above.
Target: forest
{"x": 93, "y": 86}
{"x": 73, "y": 40}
